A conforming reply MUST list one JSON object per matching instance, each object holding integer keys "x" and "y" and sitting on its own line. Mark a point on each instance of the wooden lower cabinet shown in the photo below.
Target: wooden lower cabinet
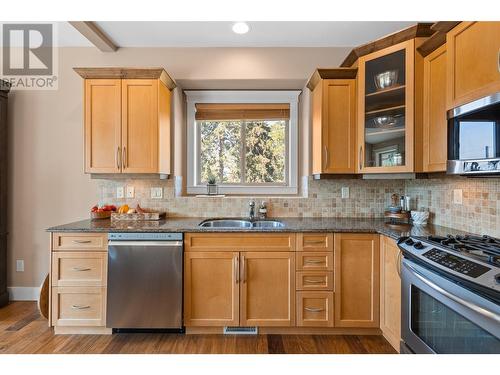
{"x": 357, "y": 262}
{"x": 267, "y": 289}
{"x": 239, "y": 289}
{"x": 78, "y": 283}
{"x": 390, "y": 291}
{"x": 211, "y": 289}
{"x": 315, "y": 309}
{"x": 314, "y": 280}
{"x": 79, "y": 306}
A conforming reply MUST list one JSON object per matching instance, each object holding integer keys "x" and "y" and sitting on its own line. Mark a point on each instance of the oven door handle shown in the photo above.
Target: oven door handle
{"x": 486, "y": 313}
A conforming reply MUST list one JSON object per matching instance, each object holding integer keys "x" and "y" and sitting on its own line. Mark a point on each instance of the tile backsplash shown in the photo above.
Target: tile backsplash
{"x": 480, "y": 208}
{"x": 366, "y": 199}
{"x": 478, "y": 212}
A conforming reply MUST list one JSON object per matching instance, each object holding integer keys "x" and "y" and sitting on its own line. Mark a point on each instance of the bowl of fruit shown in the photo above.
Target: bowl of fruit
{"x": 102, "y": 212}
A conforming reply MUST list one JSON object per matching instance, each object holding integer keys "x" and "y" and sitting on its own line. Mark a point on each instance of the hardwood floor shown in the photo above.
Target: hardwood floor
{"x": 23, "y": 330}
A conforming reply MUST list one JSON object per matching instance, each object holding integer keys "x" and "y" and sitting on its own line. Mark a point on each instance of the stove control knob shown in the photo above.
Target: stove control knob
{"x": 418, "y": 245}
{"x": 497, "y": 278}
{"x": 409, "y": 242}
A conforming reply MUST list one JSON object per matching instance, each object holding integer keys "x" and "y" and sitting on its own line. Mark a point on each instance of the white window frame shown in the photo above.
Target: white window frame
{"x": 291, "y": 97}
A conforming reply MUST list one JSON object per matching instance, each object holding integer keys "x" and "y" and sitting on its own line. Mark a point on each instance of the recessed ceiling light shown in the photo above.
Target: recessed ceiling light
{"x": 240, "y": 28}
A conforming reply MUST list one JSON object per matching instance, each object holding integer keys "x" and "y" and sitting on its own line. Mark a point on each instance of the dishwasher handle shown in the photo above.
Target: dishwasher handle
{"x": 146, "y": 243}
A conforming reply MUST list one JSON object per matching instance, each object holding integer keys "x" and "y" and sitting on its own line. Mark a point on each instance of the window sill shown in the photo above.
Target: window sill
{"x": 246, "y": 190}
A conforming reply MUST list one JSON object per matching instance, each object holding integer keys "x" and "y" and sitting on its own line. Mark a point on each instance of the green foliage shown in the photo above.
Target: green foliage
{"x": 263, "y": 151}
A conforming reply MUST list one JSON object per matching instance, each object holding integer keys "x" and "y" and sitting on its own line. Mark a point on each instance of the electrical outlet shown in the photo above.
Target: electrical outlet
{"x": 120, "y": 192}
{"x": 156, "y": 193}
{"x": 345, "y": 192}
{"x": 457, "y": 196}
{"x": 20, "y": 265}
{"x": 130, "y": 191}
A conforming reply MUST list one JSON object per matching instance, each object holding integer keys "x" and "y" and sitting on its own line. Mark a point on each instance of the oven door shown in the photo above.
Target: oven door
{"x": 438, "y": 316}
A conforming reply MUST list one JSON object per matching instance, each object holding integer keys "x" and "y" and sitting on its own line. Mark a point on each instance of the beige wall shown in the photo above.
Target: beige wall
{"x": 47, "y": 184}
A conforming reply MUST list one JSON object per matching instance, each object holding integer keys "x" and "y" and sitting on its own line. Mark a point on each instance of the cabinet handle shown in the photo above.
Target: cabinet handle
{"x": 314, "y": 261}
{"x": 313, "y": 309}
{"x": 80, "y": 307}
{"x": 320, "y": 242}
{"x": 498, "y": 60}
{"x": 82, "y": 241}
{"x": 326, "y": 157}
{"x": 360, "y": 157}
{"x": 80, "y": 269}
{"x": 244, "y": 270}
{"x": 118, "y": 158}
{"x": 309, "y": 281}
{"x": 398, "y": 266}
{"x": 236, "y": 269}
{"x": 125, "y": 161}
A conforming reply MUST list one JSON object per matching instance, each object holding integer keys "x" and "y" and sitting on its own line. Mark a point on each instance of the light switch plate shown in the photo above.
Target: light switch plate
{"x": 345, "y": 192}
{"x": 156, "y": 193}
{"x": 120, "y": 192}
{"x": 130, "y": 191}
{"x": 20, "y": 265}
{"x": 457, "y": 196}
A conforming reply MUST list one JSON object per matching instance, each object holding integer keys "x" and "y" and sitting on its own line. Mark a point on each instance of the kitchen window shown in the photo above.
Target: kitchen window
{"x": 246, "y": 140}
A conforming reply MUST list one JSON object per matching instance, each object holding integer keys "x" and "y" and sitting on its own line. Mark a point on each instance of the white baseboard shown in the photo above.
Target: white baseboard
{"x": 23, "y": 293}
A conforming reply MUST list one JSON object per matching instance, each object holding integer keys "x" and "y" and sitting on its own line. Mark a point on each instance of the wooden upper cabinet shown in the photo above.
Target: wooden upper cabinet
{"x": 473, "y": 71}
{"x": 211, "y": 289}
{"x": 102, "y": 120}
{"x": 434, "y": 126}
{"x": 267, "y": 289}
{"x": 386, "y": 113}
{"x": 127, "y": 120}
{"x": 356, "y": 273}
{"x": 334, "y": 122}
{"x": 140, "y": 125}
{"x": 390, "y": 291}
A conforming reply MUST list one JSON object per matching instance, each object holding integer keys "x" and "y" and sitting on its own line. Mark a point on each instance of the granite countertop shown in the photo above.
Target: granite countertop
{"x": 291, "y": 224}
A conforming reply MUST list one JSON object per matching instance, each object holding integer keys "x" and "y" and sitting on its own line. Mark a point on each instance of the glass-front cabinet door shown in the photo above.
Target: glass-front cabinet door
{"x": 386, "y": 109}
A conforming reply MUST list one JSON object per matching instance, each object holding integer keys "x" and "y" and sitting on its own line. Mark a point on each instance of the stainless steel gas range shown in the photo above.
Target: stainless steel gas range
{"x": 450, "y": 294}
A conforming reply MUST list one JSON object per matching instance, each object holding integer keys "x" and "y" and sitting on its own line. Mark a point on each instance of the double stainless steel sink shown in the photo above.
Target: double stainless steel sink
{"x": 241, "y": 223}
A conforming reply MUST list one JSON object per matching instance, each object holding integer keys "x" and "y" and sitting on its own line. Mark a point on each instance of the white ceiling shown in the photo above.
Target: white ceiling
{"x": 219, "y": 34}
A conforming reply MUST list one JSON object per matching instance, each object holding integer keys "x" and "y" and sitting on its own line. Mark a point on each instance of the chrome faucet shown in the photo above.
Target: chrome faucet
{"x": 251, "y": 214}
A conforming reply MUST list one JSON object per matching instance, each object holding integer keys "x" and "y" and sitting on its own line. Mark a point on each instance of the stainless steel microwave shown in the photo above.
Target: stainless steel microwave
{"x": 474, "y": 138}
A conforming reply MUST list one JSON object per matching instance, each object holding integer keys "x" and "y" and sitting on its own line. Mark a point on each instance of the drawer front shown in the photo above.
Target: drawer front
{"x": 314, "y": 280}
{"x": 79, "y": 241}
{"x": 315, "y": 242}
{"x": 239, "y": 242}
{"x": 79, "y": 306}
{"x": 79, "y": 268}
{"x": 315, "y": 309}
{"x": 314, "y": 261}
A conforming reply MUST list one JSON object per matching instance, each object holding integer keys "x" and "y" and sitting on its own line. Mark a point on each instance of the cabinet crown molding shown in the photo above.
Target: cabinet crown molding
{"x": 127, "y": 73}
{"x": 415, "y": 31}
{"x": 331, "y": 73}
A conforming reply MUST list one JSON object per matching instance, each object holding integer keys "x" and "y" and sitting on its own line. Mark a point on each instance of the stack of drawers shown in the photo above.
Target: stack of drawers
{"x": 314, "y": 280}
{"x": 79, "y": 279}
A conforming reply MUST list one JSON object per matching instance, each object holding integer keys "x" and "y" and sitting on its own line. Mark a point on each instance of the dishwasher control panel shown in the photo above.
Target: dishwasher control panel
{"x": 159, "y": 236}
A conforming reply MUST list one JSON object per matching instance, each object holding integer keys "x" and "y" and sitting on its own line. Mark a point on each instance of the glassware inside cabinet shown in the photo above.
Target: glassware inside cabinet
{"x": 385, "y": 106}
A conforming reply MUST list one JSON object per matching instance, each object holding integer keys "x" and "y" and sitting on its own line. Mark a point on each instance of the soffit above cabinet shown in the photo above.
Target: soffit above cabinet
{"x": 415, "y": 31}
{"x": 127, "y": 73}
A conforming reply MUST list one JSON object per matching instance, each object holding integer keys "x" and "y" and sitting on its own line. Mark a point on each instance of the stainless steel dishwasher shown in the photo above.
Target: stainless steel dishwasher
{"x": 144, "y": 281}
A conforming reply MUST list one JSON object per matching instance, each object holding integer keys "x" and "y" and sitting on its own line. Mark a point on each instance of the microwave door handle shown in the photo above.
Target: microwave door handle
{"x": 487, "y": 314}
